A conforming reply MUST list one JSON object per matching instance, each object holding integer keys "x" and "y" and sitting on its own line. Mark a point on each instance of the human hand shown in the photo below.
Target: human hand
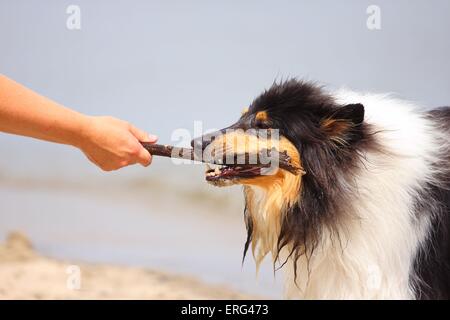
{"x": 112, "y": 143}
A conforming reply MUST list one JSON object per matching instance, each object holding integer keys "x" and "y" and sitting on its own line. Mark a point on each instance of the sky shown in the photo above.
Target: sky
{"x": 164, "y": 64}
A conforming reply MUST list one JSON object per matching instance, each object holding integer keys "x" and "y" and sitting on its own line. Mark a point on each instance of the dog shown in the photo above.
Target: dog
{"x": 370, "y": 216}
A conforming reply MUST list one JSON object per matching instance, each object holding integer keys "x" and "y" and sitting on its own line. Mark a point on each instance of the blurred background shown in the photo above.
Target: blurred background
{"x": 163, "y": 65}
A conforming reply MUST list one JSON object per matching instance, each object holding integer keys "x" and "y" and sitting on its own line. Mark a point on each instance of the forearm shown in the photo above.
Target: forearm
{"x": 27, "y": 113}
{"x": 108, "y": 142}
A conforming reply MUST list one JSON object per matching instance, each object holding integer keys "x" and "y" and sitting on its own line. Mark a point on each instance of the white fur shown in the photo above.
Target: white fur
{"x": 375, "y": 254}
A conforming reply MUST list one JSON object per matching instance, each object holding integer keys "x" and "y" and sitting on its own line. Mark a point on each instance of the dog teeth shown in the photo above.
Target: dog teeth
{"x": 213, "y": 170}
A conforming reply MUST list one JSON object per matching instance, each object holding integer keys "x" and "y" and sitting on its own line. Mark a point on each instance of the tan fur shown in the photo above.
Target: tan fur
{"x": 335, "y": 128}
{"x": 262, "y": 116}
{"x": 240, "y": 142}
{"x": 267, "y": 196}
{"x": 267, "y": 199}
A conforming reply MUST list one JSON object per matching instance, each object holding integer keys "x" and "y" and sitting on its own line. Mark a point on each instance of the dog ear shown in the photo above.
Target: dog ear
{"x": 351, "y": 112}
{"x": 344, "y": 123}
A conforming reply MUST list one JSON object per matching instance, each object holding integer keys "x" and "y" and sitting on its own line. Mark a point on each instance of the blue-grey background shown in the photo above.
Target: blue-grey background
{"x": 163, "y": 64}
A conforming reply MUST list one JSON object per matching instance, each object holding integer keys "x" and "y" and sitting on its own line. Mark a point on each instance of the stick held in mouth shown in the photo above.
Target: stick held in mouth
{"x": 186, "y": 153}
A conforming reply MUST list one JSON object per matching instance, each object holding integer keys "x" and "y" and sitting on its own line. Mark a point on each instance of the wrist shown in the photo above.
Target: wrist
{"x": 83, "y": 131}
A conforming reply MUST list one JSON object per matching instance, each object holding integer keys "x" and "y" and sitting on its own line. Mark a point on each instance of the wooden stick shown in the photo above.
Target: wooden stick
{"x": 186, "y": 153}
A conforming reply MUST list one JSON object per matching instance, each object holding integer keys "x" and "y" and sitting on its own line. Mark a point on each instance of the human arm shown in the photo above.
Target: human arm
{"x": 108, "y": 142}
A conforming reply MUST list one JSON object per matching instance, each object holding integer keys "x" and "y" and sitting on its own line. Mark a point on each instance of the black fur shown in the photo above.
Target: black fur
{"x": 332, "y": 140}
{"x": 298, "y": 110}
{"x": 432, "y": 264}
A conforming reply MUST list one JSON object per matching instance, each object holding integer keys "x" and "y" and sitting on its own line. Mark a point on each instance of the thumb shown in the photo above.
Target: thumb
{"x": 144, "y": 157}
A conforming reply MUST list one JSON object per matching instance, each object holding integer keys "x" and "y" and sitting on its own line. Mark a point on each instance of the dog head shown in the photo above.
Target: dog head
{"x": 285, "y": 118}
{"x": 318, "y": 135}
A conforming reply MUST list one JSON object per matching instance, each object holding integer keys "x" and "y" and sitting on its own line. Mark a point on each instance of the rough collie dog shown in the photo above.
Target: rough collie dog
{"x": 370, "y": 216}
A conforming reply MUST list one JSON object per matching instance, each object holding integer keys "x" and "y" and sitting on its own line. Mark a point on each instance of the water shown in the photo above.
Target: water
{"x": 134, "y": 228}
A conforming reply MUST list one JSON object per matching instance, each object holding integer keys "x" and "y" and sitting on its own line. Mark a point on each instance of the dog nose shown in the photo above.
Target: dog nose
{"x": 199, "y": 143}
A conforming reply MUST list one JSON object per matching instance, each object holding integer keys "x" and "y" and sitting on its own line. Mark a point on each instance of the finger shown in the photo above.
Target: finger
{"x": 142, "y": 135}
{"x": 144, "y": 157}
{"x": 152, "y": 138}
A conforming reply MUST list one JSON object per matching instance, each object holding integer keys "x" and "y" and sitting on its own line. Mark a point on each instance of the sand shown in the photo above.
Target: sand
{"x": 24, "y": 274}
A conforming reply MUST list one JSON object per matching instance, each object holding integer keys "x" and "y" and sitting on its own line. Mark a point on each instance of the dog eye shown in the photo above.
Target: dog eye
{"x": 261, "y": 124}
{"x": 262, "y": 120}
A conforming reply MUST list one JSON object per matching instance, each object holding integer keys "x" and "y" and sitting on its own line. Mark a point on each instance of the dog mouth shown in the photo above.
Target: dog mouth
{"x": 232, "y": 161}
{"x": 228, "y": 172}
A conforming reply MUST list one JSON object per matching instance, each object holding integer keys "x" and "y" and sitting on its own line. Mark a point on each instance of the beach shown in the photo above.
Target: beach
{"x": 27, "y": 275}
{"x": 131, "y": 237}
